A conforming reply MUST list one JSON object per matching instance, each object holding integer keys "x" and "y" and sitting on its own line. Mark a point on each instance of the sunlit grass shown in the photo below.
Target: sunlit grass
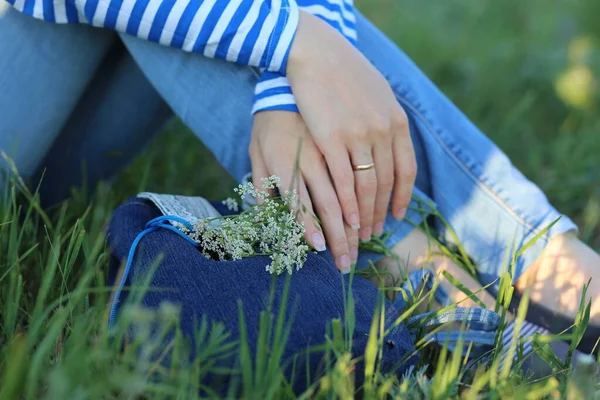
{"x": 56, "y": 343}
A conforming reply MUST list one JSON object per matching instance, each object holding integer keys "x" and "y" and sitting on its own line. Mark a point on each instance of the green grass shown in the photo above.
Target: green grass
{"x": 504, "y": 63}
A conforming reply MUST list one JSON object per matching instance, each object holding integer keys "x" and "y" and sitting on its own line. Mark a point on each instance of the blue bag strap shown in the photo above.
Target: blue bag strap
{"x": 479, "y": 319}
{"x": 481, "y": 325}
{"x": 161, "y": 222}
{"x": 481, "y": 328}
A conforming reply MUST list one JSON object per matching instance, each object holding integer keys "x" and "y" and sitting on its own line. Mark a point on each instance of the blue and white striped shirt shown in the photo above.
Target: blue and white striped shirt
{"x": 257, "y": 33}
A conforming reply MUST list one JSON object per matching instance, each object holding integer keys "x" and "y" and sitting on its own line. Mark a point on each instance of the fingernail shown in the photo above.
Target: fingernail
{"x": 318, "y": 241}
{"x": 378, "y": 230}
{"x": 345, "y": 263}
{"x": 354, "y": 254}
{"x": 355, "y": 222}
{"x": 400, "y": 214}
{"x": 365, "y": 234}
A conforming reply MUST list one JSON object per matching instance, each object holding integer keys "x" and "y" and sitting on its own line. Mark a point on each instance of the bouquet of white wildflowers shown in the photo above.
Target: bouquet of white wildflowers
{"x": 269, "y": 228}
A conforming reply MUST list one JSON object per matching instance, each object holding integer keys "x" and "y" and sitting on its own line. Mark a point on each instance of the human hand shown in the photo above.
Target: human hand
{"x": 273, "y": 150}
{"x": 355, "y": 120}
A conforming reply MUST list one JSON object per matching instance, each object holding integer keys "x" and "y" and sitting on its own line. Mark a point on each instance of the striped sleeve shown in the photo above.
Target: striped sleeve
{"x": 273, "y": 91}
{"x": 257, "y": 33}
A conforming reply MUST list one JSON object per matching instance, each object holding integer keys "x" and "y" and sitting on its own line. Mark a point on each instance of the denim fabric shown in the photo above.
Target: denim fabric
{"x": 203, "y": 287}
{"x": 489, "y": 203}
{"x": 74, "y": 106}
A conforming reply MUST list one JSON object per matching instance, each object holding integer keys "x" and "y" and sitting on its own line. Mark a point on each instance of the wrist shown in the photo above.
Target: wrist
{"x": 300, "y": 51}
{"x": 315, "y": 41}
{"x": 313, "y": 38}
{"x": 275, "y": 115}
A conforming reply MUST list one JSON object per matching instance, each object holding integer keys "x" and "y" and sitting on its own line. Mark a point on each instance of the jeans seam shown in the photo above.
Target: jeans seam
{"x": 419, "y": 115}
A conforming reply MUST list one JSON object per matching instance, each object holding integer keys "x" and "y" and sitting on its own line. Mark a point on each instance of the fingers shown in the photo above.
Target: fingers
{"x": 365, "y": 186}
{"x": 314, "y": 235}
{"x": 315, "y": 188}
{"x": 325, "y": 202}
{"x": 312, "y": 230}
{"x": 352, "y": 238}
{"x": 340, "y": 169}
{"x": 259, "y": 168}
{"x": 384, "y": 162}
{"x": 405, "y": 170}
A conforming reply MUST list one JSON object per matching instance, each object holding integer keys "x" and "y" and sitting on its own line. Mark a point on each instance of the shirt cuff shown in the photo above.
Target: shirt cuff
{"x": 273, "y": 92}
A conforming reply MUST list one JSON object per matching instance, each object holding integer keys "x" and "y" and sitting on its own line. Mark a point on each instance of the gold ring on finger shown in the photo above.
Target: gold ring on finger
{"x": 363, "y": 167}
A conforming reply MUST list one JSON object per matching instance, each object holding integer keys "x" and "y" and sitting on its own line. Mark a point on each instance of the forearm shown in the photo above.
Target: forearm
{"x": 257, "y": 33}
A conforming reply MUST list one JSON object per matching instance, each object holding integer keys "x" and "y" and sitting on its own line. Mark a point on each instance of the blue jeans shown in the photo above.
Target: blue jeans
{"x": 64, "y": 98}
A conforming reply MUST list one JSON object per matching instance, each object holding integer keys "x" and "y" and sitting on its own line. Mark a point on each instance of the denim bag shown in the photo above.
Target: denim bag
{"x": 149, "y": 226}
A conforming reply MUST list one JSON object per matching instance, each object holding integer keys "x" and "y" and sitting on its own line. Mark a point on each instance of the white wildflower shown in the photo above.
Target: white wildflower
{"x": 271, "y": 183}
{"x": 269, "y": 229}
{"x": 231, "y": 204}
{"x": 290, "y": 199}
